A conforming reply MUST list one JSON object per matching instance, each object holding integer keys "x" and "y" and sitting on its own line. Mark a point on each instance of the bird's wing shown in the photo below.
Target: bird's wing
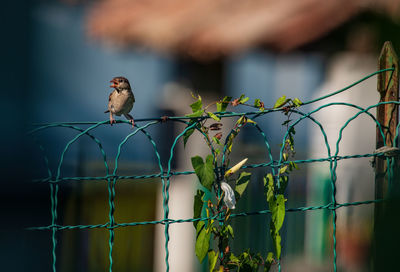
{"x": 109, "y": 101}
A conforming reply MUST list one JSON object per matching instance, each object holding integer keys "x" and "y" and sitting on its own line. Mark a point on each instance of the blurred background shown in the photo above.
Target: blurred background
{"x": 58, "y": 57}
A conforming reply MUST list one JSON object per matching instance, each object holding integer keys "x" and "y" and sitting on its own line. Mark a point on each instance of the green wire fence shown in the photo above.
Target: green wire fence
{"x": 165, "y": 173}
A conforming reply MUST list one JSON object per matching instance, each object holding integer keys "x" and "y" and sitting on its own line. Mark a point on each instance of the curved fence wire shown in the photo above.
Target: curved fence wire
{"x": 164, "y": 174}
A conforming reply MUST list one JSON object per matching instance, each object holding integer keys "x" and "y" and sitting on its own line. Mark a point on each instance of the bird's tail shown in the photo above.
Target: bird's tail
{"x": 107, "y": 111}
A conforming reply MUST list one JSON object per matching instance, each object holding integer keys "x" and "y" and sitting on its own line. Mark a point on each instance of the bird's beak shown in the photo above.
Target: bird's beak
{"x": 114, "y": 83}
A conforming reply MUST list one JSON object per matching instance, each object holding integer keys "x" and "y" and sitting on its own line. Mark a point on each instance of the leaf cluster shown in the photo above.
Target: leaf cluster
{"x": 209, "y": 199}
{"x": 249, "y": 262}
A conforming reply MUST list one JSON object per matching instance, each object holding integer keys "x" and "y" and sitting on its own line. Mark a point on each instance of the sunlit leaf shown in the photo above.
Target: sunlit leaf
{"x": 281, "y": 101}
{"x": 212, "y": 260}
{"x": 283, "y": 180}
{"x": 213, "y": 116}
{"x": 234, "y": 259}
{"x": 230, "y": 231}
{"x": 268, "y": 261}
{"x": 297, "y": 102}
{"x": 221, "y": 106}
{"x": 204, "y": 170}
{"x": 244, "y": 100}
{"x": 196, "y": 106}
{"x": 250, "y": 121}
{"x": 195, "y": 114}
{"x": 230, "y": 140}
{"x": 215, "y": 139}
{"x": 202, "y": 241}
{"x": 283, "y": 169}
{"x": 277, "y": 244}
{"x": 278, "y": 213}
{"x": 241, "y": 120}
{"x": 269, "y": 184}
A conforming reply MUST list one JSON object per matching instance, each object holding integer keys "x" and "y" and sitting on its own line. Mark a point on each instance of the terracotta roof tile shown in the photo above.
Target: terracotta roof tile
{"x": 208, "y": 29}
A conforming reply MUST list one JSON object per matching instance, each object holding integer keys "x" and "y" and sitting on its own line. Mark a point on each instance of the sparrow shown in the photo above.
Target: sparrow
{"x": 121, "y": 100}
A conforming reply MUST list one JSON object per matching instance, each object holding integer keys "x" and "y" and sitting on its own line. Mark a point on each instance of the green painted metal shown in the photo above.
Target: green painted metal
{"x": 165, "y": 174}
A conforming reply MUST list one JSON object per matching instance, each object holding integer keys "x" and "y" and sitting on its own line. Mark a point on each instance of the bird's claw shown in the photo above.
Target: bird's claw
{"x": 132, "y": 122}
{"x": 112, "y": 120}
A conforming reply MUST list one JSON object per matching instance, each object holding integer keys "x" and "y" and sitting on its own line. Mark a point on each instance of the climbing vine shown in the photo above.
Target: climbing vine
{"x": 216, "y": 196}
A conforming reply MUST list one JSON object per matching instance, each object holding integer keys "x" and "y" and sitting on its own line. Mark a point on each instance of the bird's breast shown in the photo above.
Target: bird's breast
{"x": 121, "y": 102}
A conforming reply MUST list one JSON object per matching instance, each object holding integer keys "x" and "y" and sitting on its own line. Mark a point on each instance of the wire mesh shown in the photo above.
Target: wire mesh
{"x": 165, "y": 173}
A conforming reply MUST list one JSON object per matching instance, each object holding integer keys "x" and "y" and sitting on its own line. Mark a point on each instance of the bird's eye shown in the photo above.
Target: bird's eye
{"x": 120, "y": 80}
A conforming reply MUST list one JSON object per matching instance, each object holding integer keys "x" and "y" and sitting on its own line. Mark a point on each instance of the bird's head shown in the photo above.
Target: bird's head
{"x": 120, "y": 83}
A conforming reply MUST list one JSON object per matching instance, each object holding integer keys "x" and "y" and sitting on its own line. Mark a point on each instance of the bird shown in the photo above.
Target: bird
{"x": 121, "y": 100}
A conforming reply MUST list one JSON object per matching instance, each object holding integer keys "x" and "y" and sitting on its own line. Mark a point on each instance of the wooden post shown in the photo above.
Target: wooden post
{"x": 388, "y": 117}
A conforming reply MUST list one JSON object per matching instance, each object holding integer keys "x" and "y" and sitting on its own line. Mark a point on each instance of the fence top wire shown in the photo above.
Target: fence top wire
{"x": 54, "y": 179}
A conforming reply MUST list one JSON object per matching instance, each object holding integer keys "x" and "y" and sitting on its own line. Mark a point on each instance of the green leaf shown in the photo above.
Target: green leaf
{"x": 283, "y": 169}
{"x": 221, "y": 106}
{"x": 269, "y": 261}
{"x": 257, "y": 103}
{"x": 283, "y": 180}
{"x": 277, "y": 208}
{"x": 242, "y": 182}
{"x": 230, "y": 140}
{"x": 280, "y": 102}
{"x": 277, "y": 244}
{"x": 245, "y": 255}
{"x": 269, "y": 184}
{"x": 186, "y": 136}
{"x": 202, "y": 241}
{"x": 212, "y": 260}
{"x": 204, "y": 170}
{"x": 278, "y": 212}
{"x": 292, "y": 166}
{"x": 230, "y": 231}
{"x": 188, "y": 133}
{"x": 213, "y": 116}
{"x": 227, "y": 98}
{"x": 251, "y": 121}
{"x": 297, "y": 102}
{"x": 215, "y": 139}
{"x": 195, "y": 114}
{"x": 241, "y": 120}
{"x": 198, "y": 206}
{"x": 244, "y": 100}
{"x": 226, "y": 231}
{"x": 234, "y": 259}
{"x": 196, "y": 106}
